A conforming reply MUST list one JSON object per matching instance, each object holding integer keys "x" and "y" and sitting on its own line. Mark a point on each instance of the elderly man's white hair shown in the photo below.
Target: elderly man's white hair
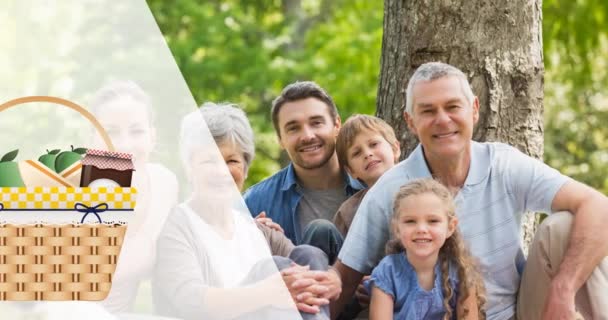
{"x": 225, "y": 123}
{"x": 434, "y": 70}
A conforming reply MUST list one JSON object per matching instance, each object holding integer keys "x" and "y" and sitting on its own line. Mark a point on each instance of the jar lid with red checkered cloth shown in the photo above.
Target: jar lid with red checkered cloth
{"x": 103, "y": 159}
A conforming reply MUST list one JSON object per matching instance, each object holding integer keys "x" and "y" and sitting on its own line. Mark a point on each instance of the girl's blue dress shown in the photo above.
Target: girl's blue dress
{"x": 397, "y": 278}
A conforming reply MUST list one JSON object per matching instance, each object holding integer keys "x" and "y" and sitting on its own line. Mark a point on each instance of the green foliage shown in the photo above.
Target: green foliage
{"x": 576, "y": 105}
{"x": 246, "y": 51}
{"x": 572, "y": 33}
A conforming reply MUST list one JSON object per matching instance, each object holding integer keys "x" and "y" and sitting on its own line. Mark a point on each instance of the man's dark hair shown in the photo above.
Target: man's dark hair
{"x": 298, "y": 91}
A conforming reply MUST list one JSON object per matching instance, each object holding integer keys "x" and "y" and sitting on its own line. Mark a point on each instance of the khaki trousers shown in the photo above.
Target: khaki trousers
{"x": 545, "y": 255}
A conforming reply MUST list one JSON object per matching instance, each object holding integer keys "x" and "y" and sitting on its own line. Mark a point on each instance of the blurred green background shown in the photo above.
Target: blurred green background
{"x": 246, "y": 51}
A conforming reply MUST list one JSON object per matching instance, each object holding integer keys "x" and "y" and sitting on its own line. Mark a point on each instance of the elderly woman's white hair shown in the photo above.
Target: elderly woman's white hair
{"x": 225, "y": 122}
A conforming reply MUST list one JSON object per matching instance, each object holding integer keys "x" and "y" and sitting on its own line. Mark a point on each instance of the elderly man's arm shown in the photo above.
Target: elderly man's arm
{"x": 588, "y": 245}
{"x": 350, "y": 280}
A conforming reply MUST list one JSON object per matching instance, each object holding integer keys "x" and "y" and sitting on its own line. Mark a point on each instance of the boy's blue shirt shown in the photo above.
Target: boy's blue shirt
{"x": 279, "y": 198}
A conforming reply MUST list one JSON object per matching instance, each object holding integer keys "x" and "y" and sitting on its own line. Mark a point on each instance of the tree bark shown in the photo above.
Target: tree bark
{"x": 497, "y": 44}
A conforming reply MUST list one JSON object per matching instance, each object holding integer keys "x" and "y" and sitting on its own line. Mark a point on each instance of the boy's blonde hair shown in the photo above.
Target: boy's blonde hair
{"x": 453, "y": 252}
{"x": 354, "y": 126}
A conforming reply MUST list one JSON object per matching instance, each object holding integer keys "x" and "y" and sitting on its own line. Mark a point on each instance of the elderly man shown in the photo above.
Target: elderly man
{"x": 494, "y": 185}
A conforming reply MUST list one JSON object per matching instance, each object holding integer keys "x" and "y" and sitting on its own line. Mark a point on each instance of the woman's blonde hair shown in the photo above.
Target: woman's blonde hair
{"x": 452, "y": 252}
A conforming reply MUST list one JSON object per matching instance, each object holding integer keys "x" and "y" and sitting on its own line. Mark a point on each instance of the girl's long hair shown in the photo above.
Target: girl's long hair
{"x": 453, "y": 252}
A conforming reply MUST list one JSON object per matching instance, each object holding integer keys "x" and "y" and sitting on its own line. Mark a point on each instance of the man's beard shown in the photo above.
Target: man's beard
{"x": 316, "y": 165}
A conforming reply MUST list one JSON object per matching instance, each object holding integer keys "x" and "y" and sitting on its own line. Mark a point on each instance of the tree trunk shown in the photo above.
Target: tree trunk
{"x": 497, "y": 44}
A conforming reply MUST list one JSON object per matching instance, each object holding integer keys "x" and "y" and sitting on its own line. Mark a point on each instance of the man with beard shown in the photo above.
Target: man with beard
{"x": 303, "y": 197}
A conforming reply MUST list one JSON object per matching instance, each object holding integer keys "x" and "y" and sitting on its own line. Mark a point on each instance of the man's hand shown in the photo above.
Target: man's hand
{"x": 327, "y": 283}
{"x": 560, "y": 302}
{"x": 261, "y": 218}
{"x": 362, "y": 294}
{"x": 334, "y": 284}
{"x": 306, "y": 291}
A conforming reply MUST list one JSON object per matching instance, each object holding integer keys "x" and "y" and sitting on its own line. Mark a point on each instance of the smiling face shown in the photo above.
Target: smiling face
{"x": 308, "y": 132}
{"x": 422, "y": 225}
{"x": 442, "y": 117}
{"x": 127, "y": 122}
{"x": 208, "y": 175}
{"x": 370, "y": 155}
{"x": 235, "y": 161}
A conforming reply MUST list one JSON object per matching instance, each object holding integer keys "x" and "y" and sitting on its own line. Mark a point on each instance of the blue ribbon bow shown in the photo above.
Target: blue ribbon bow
{"x": 80, "y": 207}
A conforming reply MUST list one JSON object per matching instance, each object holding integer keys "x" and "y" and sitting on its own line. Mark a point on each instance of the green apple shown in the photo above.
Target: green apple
{"x": 49, "y": 158}
{"x": 67, "y": 158}
{"x": 9, "y": 171}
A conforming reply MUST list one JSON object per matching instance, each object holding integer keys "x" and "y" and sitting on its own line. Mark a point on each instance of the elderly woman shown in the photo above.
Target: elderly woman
{"x": 213, "y": 259}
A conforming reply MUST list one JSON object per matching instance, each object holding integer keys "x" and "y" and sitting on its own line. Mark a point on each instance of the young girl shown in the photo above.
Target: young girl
{"x": 428, "y": 273}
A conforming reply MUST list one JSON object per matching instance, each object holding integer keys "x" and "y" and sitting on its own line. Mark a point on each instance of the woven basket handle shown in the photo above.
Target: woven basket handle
{"x": 65, "y": 103}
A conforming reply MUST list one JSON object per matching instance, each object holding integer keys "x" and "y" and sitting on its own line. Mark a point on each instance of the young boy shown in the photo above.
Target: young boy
{"x": 366, "y": 147}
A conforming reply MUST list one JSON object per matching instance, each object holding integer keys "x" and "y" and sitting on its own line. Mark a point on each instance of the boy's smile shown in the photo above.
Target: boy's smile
{"x": 369, "y": 156}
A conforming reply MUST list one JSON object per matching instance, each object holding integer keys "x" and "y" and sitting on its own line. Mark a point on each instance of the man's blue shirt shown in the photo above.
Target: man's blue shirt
{"x": 279, "y": 198}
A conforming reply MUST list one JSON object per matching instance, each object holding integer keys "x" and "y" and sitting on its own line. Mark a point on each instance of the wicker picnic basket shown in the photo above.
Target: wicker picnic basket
{"x": 66, "y": 261}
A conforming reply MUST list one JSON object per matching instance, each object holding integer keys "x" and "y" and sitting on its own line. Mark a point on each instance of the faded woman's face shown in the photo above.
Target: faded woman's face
{"x": 233, "y": 157}
{"x": 209, "y": 175}
{"x": 127, "y": 122}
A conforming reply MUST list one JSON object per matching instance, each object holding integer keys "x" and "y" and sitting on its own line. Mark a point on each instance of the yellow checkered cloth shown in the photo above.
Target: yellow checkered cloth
{"x": 66, "y": 198}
